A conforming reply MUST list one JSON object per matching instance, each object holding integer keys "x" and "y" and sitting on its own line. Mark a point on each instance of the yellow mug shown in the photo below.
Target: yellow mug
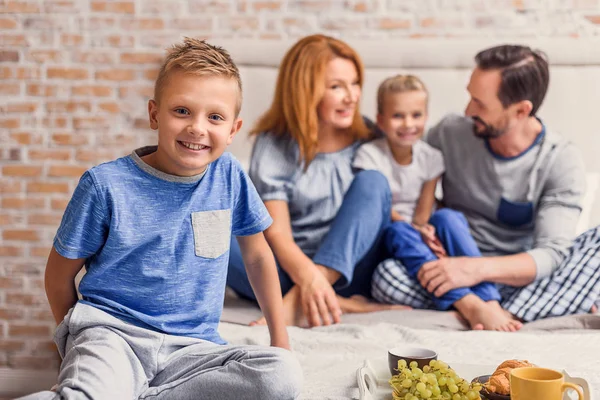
{"x": 532, "y": 383}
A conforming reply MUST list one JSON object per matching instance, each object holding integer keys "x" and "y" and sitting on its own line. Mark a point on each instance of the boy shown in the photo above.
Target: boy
{"x": 153, "y": 230}
{"x": 413, "y": 168}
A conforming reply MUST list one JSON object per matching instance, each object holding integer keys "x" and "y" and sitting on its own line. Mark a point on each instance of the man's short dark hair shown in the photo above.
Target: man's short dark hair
{"x": 525, "y": 74}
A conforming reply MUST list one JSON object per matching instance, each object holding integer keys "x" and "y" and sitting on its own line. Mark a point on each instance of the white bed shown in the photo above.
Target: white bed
{"x": 331, "y": 355}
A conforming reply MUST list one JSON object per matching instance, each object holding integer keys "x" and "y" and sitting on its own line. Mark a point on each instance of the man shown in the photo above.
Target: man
{"x": 520, "y": 187}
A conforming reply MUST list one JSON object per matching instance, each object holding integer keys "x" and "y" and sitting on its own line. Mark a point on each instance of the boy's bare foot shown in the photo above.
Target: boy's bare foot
{"x": 488, "y": 316}
{"x": 359, "y": 304}
{"x": 292, "y": 310}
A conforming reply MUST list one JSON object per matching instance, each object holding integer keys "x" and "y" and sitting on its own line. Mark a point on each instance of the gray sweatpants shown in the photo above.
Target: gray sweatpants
{"x": 105, "y": 358}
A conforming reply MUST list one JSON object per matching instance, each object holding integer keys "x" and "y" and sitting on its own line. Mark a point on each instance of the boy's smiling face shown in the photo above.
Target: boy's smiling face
{"x": 196, "y": 120}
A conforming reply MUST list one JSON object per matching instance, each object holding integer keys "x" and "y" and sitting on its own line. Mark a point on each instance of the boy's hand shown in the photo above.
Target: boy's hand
{"x": 278, "y": 338}
{"x": 283, "y": 343}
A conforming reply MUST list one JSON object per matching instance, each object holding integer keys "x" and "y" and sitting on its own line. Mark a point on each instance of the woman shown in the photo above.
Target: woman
{"x": 326, "y": 220}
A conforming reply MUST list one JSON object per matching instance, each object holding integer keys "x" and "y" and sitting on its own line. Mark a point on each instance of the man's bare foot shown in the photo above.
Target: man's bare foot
{"x": 360, "y": 304}
{"x": 489, "y": 316}
{"x": 292, "y": 310}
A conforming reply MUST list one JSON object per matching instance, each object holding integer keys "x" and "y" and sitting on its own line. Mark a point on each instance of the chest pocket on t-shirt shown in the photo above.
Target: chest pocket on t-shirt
{"x": 212, "y": 232}
{"x": 514, "y": 213}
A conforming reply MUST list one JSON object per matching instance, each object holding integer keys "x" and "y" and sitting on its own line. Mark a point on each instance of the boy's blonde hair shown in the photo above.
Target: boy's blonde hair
{"x": 197, "y": 57}
{"x": 398, "y": 84}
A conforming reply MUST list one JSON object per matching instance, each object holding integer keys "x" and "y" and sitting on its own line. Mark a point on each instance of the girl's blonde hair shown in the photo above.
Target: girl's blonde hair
{"x": 300, "y": 88}
{"x": 398, "y": 84}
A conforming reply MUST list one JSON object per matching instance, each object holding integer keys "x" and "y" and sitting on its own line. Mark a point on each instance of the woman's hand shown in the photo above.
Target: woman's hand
{"x": 309, "y": 304}
{"x": 319, "y": 301}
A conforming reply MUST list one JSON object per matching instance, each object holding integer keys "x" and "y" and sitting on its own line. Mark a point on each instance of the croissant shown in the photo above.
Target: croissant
{"x": 499, "y": 381}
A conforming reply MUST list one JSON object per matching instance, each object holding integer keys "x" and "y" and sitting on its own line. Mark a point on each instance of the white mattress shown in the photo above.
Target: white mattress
{"x": 330, "y": 356}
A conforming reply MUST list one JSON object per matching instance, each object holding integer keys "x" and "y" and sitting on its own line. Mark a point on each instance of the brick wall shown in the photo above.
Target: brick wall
{"x": 75, "y": 76}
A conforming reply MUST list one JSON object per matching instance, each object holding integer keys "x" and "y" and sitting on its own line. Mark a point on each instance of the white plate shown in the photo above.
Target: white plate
{"x": 374, "y": 375}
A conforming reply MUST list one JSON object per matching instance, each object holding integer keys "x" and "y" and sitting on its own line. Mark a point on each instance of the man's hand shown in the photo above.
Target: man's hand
{"x": 440, "y": 276}
{"x": 319, "y": 302}
{"x": 427, "y": 232}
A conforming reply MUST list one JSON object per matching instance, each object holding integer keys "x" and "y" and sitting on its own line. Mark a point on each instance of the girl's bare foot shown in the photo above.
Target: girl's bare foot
{"x": 359, "y": 304}
{"x": 488, "y": 316}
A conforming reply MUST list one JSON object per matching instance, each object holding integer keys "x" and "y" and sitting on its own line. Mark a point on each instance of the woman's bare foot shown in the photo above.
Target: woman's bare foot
{"x": 292, "y": 310}
{"x": 359, "y": 304}
{"x": 489, "y": 316}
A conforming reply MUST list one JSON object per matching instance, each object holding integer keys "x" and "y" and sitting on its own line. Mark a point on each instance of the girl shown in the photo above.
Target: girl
{"x": 413, "y": 168}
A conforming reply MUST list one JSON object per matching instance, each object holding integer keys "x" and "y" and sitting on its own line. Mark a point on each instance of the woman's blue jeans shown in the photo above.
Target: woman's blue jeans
{"x": 353, "y": 246}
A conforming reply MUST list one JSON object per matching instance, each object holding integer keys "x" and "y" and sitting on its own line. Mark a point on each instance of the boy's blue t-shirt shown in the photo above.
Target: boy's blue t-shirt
{"x": 157, "y": 245}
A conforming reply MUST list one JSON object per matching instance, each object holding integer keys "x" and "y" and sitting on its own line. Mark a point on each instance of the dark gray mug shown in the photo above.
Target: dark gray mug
{"x": 421, "y": 355}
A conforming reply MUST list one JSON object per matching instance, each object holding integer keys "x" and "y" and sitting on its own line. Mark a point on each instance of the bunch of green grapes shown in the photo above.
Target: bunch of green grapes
{"x": 436, "y": 381}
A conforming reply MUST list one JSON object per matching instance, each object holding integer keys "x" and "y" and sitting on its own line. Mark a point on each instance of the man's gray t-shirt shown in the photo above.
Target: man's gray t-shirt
{"x": 527, "y": 203}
